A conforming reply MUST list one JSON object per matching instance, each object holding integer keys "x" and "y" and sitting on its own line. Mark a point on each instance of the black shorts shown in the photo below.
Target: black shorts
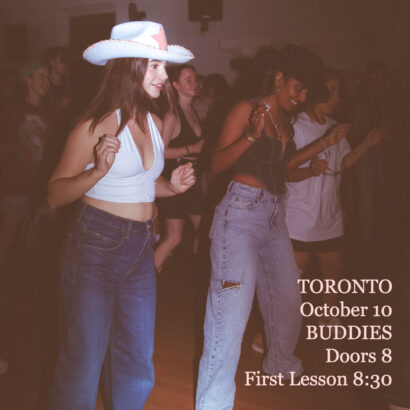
{"x": 191, "y": 202}
{"x": 329, "y": 245}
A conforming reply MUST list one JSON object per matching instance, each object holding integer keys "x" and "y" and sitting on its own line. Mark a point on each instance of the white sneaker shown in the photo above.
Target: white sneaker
{"x": 258, "y": 349}
{"x": 257, "y": 344}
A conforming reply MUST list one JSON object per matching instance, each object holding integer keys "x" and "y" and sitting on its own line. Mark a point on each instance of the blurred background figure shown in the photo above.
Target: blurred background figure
{"x": 350, "y": 81}
{"x": 373, "y": 108}
{"x": 213, "y": 87}
{"x": 183, "y": 143}
{"x": 57, "y": 60}
{"x": 23, "y": 142}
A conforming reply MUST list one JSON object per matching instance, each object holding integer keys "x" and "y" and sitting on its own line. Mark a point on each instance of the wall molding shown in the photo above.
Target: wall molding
{"x": 68, "y": 11}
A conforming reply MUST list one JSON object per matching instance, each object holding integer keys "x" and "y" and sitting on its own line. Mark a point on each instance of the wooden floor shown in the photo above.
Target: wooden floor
{"x": 174, "y": 361}
{"x": 28, "y": 341}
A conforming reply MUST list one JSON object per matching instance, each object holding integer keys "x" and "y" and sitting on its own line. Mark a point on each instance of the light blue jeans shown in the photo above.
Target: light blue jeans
{"x": 250, "y": 249}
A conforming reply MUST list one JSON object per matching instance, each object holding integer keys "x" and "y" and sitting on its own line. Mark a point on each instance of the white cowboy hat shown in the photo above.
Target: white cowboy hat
{"x": 143, "y": 39}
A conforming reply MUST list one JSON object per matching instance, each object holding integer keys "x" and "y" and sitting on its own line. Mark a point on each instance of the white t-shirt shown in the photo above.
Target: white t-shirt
{"x": 313, "y": 206}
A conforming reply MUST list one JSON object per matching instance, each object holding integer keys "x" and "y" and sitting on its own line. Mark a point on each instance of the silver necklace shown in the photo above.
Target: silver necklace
{"x": 278, "y": 128}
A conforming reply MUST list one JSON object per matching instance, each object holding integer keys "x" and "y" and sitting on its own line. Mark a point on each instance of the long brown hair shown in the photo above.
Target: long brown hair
{"x": 174, "y": 74}
{"x": 122, "y": 87}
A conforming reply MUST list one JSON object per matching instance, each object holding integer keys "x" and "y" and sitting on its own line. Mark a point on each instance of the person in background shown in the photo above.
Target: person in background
{"x": 199, "y": 101}
{"x": 373, "y": 109}
{"x": 57, "y": 60}
{"x": 214, "y": 87}
{"x": 111, "y": 165}
{"x": 183, "y": 143}
{"x": 313, "y": 213}
{"x": 25, "y": 136}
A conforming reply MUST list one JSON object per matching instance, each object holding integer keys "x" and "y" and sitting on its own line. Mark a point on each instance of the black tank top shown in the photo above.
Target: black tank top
{"x": 265, "y": 161}
{"x": 185, "y": 137}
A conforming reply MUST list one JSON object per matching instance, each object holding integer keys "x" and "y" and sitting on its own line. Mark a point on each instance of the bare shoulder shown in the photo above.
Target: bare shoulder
{"x": 171, "y": 128}
{"x": 242, "y": 109}
{"x": 157, "y": 121}
{"x": 82, "y": 130}
{"x": 239, "y": 115}
{"x": 82, "y": 127}
{"x": 236, "y": 121}
{"x": 109, "y": 125}
{"x": 170, "y": 119}
{"x": 79, "y": 147}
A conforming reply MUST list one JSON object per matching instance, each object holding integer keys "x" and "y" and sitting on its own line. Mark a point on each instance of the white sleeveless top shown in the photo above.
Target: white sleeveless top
{"x": 313, "y": 211}
{"x": 127, "y": 181}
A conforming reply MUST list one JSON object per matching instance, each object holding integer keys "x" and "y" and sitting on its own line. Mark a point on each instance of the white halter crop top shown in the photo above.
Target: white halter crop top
{"x": 127, "y": 181}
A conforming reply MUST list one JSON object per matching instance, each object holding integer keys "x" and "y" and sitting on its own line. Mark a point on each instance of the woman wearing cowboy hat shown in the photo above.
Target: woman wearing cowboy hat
{"x": 112, "y": 163}
{"x": 251, "y": 250}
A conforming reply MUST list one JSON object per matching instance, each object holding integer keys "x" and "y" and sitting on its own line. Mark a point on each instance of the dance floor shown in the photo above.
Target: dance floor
{"x": 29, "y": 342}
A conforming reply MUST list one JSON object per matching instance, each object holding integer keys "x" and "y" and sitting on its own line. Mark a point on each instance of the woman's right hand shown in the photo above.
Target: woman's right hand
{"x": 256, "y": 122}
{"x": 104, "y": 152}
{"x": 337, "y": 134}
{"x": 318, "y": 166}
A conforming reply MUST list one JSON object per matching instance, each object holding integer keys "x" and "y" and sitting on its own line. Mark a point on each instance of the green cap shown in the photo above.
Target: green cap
{"x": 29, "y": 69}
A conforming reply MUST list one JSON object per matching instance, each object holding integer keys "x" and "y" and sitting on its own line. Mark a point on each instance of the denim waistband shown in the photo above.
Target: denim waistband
{"x": 260, "y": 193}
{"x": 87, "y": 211}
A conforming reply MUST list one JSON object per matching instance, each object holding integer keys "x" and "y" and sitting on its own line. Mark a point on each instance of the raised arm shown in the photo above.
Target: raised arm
{"x": 372, "y": 138}
{"x": 333, "y": 136}
{"x": 316, "y": 167}
{"x": 182, "y": 178}
{"x": 69, "y": 181}
{"x": 242, "y": 127}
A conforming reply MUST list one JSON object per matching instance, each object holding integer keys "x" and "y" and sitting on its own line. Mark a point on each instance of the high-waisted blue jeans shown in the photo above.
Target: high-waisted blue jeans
{"x": 107, "y": 295}
{"x": 250, "y": 250}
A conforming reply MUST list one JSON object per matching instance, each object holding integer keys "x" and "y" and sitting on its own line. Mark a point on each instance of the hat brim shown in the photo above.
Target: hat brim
{"x": 99, "y": 53}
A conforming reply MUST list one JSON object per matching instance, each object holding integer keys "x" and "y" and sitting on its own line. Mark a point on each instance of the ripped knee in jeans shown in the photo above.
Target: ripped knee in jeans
{"x": 230, "y": 285}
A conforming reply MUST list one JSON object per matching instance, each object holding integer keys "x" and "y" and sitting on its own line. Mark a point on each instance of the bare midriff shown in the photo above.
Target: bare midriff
{"x": 248, "y": 180}
{"x": 140, "y": 211}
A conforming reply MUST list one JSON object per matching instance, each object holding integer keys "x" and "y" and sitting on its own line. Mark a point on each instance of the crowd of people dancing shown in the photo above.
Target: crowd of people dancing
{"x": 293, "y": 165}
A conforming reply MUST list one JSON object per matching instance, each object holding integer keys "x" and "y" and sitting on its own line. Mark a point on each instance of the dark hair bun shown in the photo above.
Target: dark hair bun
{"x": 299, "y": 63}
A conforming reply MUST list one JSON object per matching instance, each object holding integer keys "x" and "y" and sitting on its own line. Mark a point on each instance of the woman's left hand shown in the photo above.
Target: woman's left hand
{"x": 375, "y": 136}
{"x": 337, "y": 133}
{"x": 182, "y": 178}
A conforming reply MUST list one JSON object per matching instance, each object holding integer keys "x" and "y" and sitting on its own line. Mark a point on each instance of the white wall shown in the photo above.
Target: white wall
{"x": 346, "y": 34}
